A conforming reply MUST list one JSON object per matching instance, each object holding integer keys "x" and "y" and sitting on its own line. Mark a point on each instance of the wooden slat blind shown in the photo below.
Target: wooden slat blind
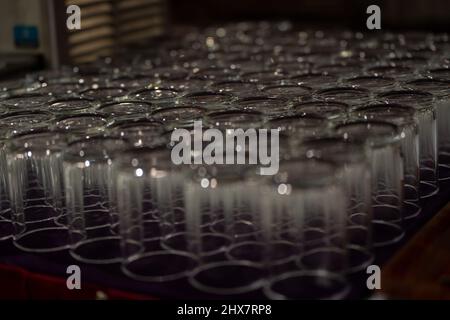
{"x": 109, "y": 24}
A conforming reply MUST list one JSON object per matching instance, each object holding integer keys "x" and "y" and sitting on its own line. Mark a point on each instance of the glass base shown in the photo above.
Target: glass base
{"x": 210, "y": 243}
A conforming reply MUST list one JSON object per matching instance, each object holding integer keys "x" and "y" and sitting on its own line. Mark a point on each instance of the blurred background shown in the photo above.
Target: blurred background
{"x": 33, "y": 34}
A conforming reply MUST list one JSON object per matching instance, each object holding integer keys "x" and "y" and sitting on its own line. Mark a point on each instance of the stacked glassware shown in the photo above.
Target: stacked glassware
{"x": 364, "y": 139}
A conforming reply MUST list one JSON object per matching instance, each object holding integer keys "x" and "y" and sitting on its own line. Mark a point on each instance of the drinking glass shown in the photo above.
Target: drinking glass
{"x": 387, "y": 176}
{"x": 439, "y": 89}
{"x": 353, "y": 157}
{"x": 149, "y": 187}
{"x": 91, "y": 200}
{"x": 317, "y": 227}
{"x": 406, "y": 120}
{"x": 34, "y": 163}
{"x": 217, "y": 215}
{"x": 423, "y": 102}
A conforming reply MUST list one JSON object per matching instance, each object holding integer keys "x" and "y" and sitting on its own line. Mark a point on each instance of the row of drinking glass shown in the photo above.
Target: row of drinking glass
{"x": 322, "y": 214}
{"x": 364, "y": 137}
{"x": 303, "y": 83}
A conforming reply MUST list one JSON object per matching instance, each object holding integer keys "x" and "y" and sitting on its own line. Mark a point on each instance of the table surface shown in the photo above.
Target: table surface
{"x": 421, "y": 269}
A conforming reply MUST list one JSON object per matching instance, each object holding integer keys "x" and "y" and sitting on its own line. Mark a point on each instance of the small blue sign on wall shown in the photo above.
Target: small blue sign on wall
{"x": 26, "y": 36}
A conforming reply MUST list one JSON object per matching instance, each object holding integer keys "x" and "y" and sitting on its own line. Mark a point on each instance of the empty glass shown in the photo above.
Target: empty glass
{"x": 149, "y": 189}
{"x": 387, "y": 176}
{"x": 441, "y": 91}
{"x": 34, "y": 163}
{"x": 317, "y": 227}
{"x": 354, "y": 159}
{"x": 90, "y": 199}
{"x": 406, "y": 120}
{"x": 426, "y": 114}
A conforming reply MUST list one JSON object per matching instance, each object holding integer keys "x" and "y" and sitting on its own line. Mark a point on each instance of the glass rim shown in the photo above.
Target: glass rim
{"x": 158, "y": 113}
{"x": 26, "y": 113}
{"x": 387, "y": 96}
{"x": 342, "y": 89}
{"x": 17, "y": 238}
{"x": 78, "y": 244}
{"x": 226, "y": 291}
{"x": 166, "y": 278}
{"x": 271, "y": 294}
{"x": 201, "y": 254}
{"x": 272, "y": 262}
{"x": 119, "y": 102}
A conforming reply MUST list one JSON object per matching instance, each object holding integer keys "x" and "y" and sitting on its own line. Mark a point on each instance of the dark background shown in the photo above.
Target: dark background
{"x": 395, "y": 14}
